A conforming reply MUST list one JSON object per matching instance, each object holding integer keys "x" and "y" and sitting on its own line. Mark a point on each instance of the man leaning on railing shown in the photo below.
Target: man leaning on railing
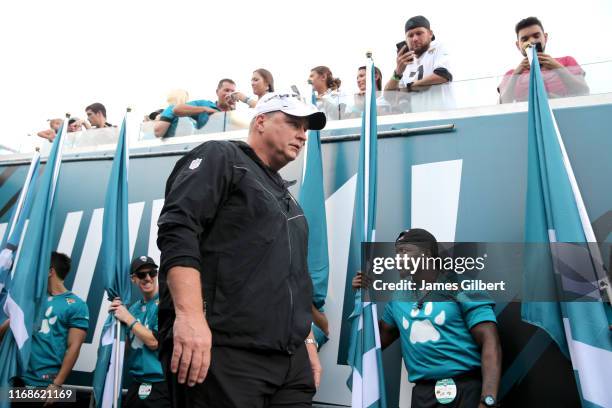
{"x": 562, "y": 76}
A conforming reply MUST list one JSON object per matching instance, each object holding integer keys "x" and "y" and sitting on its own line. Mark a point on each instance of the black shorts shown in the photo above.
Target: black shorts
{"x": 241, "y": 378}
{"x": 469, "y": 387}
{"x": 158, "y": 397}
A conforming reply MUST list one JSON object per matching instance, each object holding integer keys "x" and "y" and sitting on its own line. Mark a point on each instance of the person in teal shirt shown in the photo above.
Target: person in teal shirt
{"x": 449, "y": 341}
{"x": 148, "y": 388}
{"x": 57, "y": 342}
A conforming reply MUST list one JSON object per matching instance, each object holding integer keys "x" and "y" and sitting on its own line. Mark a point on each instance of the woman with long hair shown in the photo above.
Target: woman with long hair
{"x": 262, "y": 82}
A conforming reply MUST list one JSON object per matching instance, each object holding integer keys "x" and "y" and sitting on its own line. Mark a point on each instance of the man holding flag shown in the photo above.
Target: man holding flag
{"x": 148, "y": 388}
{"x": 56, "y": 345}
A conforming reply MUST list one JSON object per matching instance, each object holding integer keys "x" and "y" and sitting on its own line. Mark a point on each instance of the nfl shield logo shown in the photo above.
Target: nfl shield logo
{"x": 195, "y": 164}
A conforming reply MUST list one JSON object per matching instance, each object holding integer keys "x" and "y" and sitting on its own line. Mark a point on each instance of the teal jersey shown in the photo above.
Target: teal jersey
{"x": 62, "y": 313}
{"x": 199, "y": 120}
{"x": 143, "y": 362}
{"x": 436, "y": 340}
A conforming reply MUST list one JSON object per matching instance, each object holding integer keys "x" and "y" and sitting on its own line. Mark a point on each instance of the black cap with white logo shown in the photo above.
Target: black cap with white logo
{"x": 142, "y": 261}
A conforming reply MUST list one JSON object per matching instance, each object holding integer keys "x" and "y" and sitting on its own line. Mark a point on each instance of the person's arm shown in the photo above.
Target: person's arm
{"x": 4, "y": 328}
{"x": 313, "y": 356}
{"x": 388, "y": 334}
{"x": 404, "y": 58}
{"x": 160, "y": 128}
{"x": 486, "y": 336}
{"x": 48, "y": 134}
{"x": 506, "y": 88}
{"x": 192, "y": 336}
{"x": 184, "y": 109}
{"x": 575, "y": 83}
{"x": 239, "y": 96}
{"x": 139, "y": 330}
{"x": 320, "y": 320}
{"x": 76, "y": 337}
{"x": 426, "y": 82}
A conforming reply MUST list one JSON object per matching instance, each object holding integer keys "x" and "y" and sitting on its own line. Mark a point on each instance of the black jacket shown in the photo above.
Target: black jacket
{"x": 231, "y": 217}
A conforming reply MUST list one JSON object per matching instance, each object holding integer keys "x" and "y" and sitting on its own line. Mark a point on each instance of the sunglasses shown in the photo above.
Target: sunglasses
{"x": 143, "y": 274}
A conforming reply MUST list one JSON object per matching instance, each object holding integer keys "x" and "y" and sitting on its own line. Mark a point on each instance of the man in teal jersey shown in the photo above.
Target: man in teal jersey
{"x": 57, "y": 343}
{"x": 198, "y": 111}
{"x": 148, "y": 388}
{"x": 450, "y": 346}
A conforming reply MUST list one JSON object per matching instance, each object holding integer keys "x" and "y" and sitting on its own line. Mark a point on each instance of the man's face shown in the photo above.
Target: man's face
{"x": 530, "y": 35}
{"x": 73, "y": 127}
{"x": 96, "y": 119}
{"x": 411, "y": 251}
{"x": 361, "y": 80}
{"x": 283, "y": 137}
{"x": 145, "y": 282}
{"x": 224, "y": 93}
{"x": 418, "y": 39}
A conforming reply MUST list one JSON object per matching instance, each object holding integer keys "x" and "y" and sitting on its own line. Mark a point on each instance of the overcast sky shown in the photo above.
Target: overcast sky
{"x": 59, "y": 56}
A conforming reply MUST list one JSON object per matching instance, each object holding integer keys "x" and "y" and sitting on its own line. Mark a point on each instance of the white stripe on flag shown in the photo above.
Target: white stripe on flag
{"x": 375, "y": 321}
{"x": 357, "y": 387}
{"x": 109, "y": 336}
{"x": 594, "y": 366}
{"x": 369, "y": 373}
{"x": 15, "y": 314}
{"x": 109, "y": 382}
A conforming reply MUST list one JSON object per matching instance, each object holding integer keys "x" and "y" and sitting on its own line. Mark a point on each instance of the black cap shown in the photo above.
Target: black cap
{"x": 154, "y": 114}
{"x": 417, "y": 21}
{"x": 142, "y": 261}
{"x": 419, "y": 237}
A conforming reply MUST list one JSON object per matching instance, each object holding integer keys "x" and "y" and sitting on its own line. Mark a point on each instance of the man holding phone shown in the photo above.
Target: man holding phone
{"x": 562, "y": 76}
{"x": 422, "y": 69}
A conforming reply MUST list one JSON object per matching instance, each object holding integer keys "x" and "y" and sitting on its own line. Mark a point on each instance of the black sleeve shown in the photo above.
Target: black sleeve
{"x": 195, "y": 189}
{"x": 444, "y": 73}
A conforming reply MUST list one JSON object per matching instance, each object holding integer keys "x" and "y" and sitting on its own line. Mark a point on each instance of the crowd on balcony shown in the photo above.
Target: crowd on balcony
{"x": 421, "y": 81}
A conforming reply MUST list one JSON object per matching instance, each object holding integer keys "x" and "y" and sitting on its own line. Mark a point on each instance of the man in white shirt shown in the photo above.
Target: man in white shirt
{"x": 422, "y": 69}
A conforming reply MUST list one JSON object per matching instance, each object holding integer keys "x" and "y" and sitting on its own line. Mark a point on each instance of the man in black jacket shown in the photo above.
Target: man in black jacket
{"x": 235, "y": 293}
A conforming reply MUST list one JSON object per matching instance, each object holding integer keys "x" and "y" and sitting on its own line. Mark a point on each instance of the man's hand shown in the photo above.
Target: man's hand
{"x": 315, "y": 364}
{"x": 121, "y": 313}
{"x": 360, "y": 280}
{"x": 548, "y": 62}
{"x": 523, "y": 66}
{"x": 52, "y": 388}
{"x": 404, "y": 58}
{"x": 191, "y": 353}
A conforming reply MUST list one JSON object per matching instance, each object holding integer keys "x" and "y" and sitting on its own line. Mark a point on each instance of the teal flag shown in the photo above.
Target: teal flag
{"x": 365, "y": 355}
{"x": 12, "y": 238}
{"x": 115, "y": 265}
{"x": 28, "y": 288}
{"x": 312, "y": 200}
{"x": 556, "y": 216}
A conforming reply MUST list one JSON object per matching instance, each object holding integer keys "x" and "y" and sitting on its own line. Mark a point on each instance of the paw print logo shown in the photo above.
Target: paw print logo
{"x": 48, "y": 321}
{"x": 423, "y": 331}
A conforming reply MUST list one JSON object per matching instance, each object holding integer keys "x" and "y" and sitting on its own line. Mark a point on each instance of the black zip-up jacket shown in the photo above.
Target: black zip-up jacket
{"x": 232, "y": 218}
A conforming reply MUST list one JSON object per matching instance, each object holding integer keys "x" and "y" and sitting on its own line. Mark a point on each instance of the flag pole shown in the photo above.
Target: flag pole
{"x": 117, "y": 389}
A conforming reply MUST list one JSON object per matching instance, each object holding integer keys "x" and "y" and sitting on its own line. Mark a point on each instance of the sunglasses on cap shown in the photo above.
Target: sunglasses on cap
{"x": 143, "y": 274}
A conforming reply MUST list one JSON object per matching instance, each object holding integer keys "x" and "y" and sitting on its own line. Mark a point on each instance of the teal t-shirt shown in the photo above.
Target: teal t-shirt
{"x": 143, "y": 362}
{"x": 62, "y": 312}
{"x": 436, "y": 340}
{"x": 199, "y": 120}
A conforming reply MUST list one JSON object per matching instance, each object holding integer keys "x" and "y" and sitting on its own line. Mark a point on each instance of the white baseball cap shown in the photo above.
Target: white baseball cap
{"x": 291, "y": 104}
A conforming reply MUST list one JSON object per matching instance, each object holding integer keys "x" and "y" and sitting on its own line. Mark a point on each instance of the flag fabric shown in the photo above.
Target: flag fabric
{"x": 28, "y": 287}
{"x": 312, "y": 200}
{"x": 12, "y": 238}
{"x": 115, "y": 265}
{"x": 556, "y": 216}
{"x": 365, "y": 355}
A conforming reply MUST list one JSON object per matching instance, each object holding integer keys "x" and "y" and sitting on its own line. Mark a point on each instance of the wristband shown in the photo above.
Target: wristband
{"x": 396, "y": 77}
{"x": 311, "y": 341}
{"x": 246, "y": 99}
{"x": 131, "y": 326}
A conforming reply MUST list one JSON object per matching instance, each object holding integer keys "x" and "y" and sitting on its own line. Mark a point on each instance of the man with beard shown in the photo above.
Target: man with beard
{"x": 422, "y": 69}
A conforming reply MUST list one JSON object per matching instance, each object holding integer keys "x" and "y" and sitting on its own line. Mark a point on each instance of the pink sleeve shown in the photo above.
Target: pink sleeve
{"x": 571, "y": 64}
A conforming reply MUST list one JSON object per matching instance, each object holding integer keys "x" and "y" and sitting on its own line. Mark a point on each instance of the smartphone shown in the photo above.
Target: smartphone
{"x": 400, "y": 45}
{"x": 538, "y": 46}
